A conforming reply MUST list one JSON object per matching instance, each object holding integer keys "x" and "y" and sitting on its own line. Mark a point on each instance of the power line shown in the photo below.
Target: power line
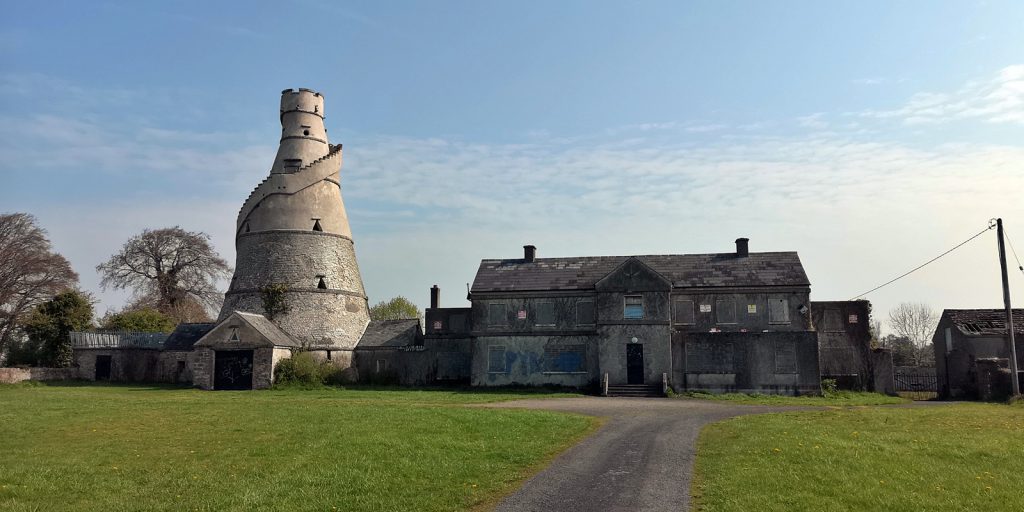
{"x": 915, "y": 269}
{"x": 1014, "y": 251}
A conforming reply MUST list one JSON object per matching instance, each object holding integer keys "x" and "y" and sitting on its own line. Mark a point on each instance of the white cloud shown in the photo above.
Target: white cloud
{"x": 999, "y": 99}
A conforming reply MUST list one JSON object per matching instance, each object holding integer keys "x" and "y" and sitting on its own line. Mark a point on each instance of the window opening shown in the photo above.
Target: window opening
{"x": 633, "y": 307}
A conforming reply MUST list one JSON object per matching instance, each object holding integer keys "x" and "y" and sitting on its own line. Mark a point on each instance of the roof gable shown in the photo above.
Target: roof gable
{"x": 246, "y": 330}
{"x": 391, "y": 333}
{"x": 633, "y": 275}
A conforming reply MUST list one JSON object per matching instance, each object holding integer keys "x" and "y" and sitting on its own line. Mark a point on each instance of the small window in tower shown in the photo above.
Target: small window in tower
{"x": 322, "y": 284}
{"x": 316, "y": 225}
{"x": 246, "y": 227}
{"x": 305, "y": 132}
{"x": 328, "y": 355}
{"x": 292, "y": 163}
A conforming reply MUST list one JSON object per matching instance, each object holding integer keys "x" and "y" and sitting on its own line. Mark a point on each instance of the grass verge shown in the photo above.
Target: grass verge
{"x": 839, "y": 398}
{"x": 158, "y": 448}
{"x": 940, "y": 457}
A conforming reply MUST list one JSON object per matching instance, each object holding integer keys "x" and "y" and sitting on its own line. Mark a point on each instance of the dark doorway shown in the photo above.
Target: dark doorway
{"x": 634, "y": 363}
{"x": 103, "y": 367}
{"x": 233, "y": 369}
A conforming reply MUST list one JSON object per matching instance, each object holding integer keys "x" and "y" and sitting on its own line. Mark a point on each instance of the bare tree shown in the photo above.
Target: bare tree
{"x": 915, "y": 322}
{"x": 168, "y": 268}
{"x": 30, "y": 272}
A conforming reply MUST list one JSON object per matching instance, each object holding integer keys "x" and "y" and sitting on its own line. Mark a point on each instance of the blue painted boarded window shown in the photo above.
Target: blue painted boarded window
{"x": 565, "y": 358}
{"x": 633, "y": 308}
{"x": 496, "y": 360}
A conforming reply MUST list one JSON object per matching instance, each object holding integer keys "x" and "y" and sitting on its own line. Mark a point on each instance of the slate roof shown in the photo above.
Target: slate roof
{"x": 390, "y": 333}
{"x": 186, "y": 335}
{"x": 684, "y": 270}
{"x": 271, "y": 332}
{"x": 985, "y": 322}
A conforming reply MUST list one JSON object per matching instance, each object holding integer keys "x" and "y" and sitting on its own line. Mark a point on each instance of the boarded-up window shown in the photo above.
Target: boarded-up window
{"x": 682, "y": 311}
{"x": 545, "y": 313}
{"x": 584, "y": 312}
{"x": 785, "y": 357}
{"x": 565, "y": 358}
{"x": 382, "y": 366}
{"x": 496, "y": 360}
{"x": 726, "y": 311}
{"x": 496, "y": 314}
{"x": 778, "y": 311}
{"x": 833, "y": 320}
{"x": 633, "y": 307}
{"x": 706, "y": 357}
{"x": 457, "y": 322}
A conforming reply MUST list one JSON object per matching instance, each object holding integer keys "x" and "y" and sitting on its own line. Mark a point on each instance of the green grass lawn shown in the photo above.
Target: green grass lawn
{"x": 932, "y": 457}
{"x": 150, "y": 448}
{"x": 841, "y": 398}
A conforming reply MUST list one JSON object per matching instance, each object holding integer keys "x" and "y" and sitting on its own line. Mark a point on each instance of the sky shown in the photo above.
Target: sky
{"x": 867, "y": 136}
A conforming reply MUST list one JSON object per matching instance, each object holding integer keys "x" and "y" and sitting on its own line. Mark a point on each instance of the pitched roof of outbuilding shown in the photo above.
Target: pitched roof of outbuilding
{"x": 390, "y": 333}
{"x": 684, "y": 270}
{"x": 985, "y": 322}
{"x": 187, "y": 334}
{"x": 271, "y": 332}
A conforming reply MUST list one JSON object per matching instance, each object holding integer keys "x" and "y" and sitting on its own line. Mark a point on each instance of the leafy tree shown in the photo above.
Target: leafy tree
{"x": 170, "y": 267}
{"x": 916, "y": 322}
{"x": 395, "y": 309}
{"x": 903, "y": 351}
{"x": 48, "y": 327}
{"x": 141, "y": 320}
{"x": 30, "y": 273}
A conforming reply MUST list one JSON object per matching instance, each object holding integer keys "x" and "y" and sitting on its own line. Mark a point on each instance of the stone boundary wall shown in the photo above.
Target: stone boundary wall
{"x": 16, "y": 375}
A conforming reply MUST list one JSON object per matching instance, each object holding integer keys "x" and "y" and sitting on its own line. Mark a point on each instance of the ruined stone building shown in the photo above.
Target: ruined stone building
{"x": 972, "y": 352}
{"x": 731, "y": 321}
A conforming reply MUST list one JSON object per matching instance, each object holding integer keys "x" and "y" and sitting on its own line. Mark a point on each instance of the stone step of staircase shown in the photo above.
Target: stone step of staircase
{"x": 635, "y": 390}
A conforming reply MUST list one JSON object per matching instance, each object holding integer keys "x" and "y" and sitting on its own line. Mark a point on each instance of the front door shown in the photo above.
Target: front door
{"x": 634, "y": 363}
{"x": 233, "y": 369}
{"x": 103, "y": 367}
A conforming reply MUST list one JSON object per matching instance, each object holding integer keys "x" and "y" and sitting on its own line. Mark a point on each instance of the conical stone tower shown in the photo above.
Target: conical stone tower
{"x": 293, "y": 231}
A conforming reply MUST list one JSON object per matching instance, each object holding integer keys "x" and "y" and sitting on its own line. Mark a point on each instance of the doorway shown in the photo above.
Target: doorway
{"x": 634, "y": 363}
{"x": 103, "y": 364}
{"x": 233, "y": 369}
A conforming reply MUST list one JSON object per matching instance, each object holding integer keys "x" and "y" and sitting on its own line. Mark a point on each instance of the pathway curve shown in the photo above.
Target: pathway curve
{"x": 640, "y": 460}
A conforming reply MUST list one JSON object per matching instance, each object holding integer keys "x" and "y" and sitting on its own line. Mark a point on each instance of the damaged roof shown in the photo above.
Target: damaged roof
{"x": 390, "y": 333}
{"x": 985, "y": 322}
{"x": 684, "y": 270}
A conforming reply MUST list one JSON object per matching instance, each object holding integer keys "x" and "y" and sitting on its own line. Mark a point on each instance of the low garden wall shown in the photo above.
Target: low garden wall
{"x": 16, "y": 375}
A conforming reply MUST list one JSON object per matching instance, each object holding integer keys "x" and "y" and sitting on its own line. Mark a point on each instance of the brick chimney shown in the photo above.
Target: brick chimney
{"x": 435, "y": 297}
{"x": 742, "y": 247}
{"x": 529, "y": 253}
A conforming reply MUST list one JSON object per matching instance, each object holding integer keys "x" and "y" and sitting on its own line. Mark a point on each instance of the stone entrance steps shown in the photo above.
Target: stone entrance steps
{"x": 635, "y": 390}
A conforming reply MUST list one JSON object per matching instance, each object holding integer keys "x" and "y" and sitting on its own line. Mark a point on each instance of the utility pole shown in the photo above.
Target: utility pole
{"x": 1009, "y": 311}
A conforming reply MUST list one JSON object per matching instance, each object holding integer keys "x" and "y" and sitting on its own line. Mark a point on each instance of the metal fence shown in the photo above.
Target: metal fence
{"x": 118, "y": 339}
{"x": 915, "y": 382}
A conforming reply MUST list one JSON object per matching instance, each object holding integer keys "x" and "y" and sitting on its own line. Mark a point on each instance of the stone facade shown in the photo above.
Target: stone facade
{"x": 964, "y": 337}
{"x": 16, "y": 375}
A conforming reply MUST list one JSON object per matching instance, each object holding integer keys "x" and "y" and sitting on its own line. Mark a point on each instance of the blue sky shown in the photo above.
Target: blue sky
{"x": 868, "y": 136}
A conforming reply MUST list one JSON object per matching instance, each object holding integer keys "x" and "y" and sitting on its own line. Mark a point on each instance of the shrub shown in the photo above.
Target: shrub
{"x": 304, "y": 371}
{"x": 829, "y": 387}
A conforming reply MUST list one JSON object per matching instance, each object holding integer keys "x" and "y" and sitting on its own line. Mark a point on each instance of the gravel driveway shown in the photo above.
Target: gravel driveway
{"x": 641, "y": 459}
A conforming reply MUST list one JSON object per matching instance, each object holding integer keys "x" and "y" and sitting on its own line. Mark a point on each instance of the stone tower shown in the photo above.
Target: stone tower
{"x": 293, "y": 231}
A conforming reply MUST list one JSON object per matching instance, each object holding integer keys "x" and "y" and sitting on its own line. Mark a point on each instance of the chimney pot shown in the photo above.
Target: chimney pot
{"x": 742, "y": 247}
{"x": 529, "y": 253}
{"x": 435, "y": 297}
